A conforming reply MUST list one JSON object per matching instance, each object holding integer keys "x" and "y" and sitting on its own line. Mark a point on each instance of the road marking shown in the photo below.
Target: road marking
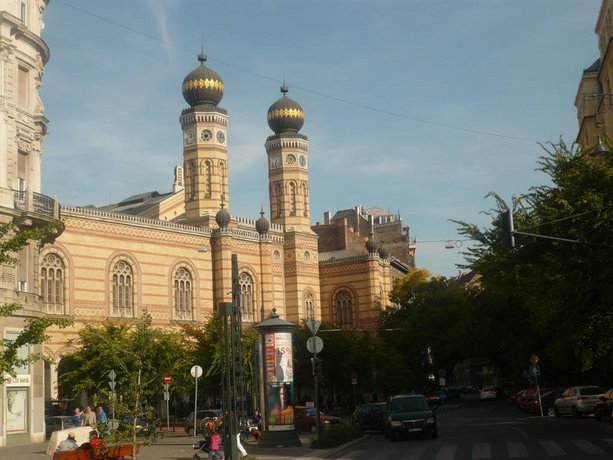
{"x": 587, "y": 447}
{"x": 413, "y": 453}
{"x": 482, "y": 450}
{"x": 516, "y": 449}
{"x": 552, "y": 448}
{"x": 446, "y": 452}
{"x": 352, "y": 454}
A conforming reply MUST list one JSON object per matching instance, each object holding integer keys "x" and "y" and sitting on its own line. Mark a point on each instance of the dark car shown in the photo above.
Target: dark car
{"x": 603, "y": 409}
{"x": 435, "y": 398}
{"x": 408, "y": 415}
{"x": 548, "y": 397}
{"x": 57, "y": 422}
{"x": 305, "y": 419}
{"x": 144, "y": 426}
{"x": 370, "y": 416}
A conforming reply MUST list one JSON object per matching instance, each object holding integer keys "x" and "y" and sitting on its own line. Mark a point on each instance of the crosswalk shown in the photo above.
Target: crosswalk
{"x": 568, "y": 449}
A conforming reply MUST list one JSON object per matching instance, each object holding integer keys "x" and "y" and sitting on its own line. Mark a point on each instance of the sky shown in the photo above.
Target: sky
{"x": 420, "y": 107}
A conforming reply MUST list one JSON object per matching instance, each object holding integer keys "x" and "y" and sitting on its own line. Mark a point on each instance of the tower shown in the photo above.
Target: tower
{"x": 205, "y": 147}
{"x": 288, "y": 178}
{"x": 288, "y": 174}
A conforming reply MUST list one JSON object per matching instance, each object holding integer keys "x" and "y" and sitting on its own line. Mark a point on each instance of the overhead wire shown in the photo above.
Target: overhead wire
{"x": 303, "y": 88}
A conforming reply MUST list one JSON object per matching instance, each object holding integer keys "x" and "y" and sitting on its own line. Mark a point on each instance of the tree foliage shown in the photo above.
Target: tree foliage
{"x": 13, "y": 240}
{"x": 564, "y": 287}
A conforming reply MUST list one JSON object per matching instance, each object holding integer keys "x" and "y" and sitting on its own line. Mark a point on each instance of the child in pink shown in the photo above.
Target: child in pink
{"x": 214, "y": 446}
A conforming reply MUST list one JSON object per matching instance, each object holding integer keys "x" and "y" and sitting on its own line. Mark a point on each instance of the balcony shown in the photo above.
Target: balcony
{"x": 31, "y": 207}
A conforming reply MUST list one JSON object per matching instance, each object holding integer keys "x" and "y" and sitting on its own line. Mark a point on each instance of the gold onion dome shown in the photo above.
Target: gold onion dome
{"x": 202, "y": 86}
{"x": 285, "y": 115}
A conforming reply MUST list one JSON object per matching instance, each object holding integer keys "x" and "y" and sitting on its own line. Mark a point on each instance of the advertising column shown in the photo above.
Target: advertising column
{"x": 278, "y": 388}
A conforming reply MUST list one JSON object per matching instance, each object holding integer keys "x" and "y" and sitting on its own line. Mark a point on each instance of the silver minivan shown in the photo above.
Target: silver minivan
{"x": 577, "y": 401}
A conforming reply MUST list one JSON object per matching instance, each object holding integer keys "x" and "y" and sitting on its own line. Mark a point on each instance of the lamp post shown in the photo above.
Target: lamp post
{"x": 196, "y": 372}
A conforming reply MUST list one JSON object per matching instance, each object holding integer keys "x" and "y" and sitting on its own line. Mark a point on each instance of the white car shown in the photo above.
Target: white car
{"x": 488, "y": 393}
{"x": 577, "y": 401}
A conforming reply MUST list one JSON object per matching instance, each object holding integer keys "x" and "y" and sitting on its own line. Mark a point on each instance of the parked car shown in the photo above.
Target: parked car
{"x": 305, "y": 418}
{"x": 204, "y": 416}
{"x": 488, "y": 393}
{"x": 144, "y": 426}
{"x": 370, "y": 416}
{"x": 548, "y": 397}
{"x": 577, "y": 401}
{"x": 435, "y": 398}
{"x": 55, "y": 423}
{"x": 517, "y": 397}
{"x": 603, "y": 408}
{"x": 408, "y": 415}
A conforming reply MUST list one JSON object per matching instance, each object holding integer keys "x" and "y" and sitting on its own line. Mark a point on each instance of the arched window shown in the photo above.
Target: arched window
{"x": 192, "y": 176}
{"x": 208, "y": 172}
{"x": 246, "y": 297}
{"x": 343, "y": 302}
{"x": 222, "y": 179}
{"x": 52, "y": 284}
{"x": 292, "y": 198}
{"x": 279, "y": 196}
{"x": 305, "y": 197}
{"x": 183, "y": 295}
{"x": 309, "y": 306}
{"x": 122, "y": 289}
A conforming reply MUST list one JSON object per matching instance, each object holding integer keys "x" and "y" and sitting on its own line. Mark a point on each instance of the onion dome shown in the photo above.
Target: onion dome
{"x": 222, "y": 217}
{"x": 383, "y": 252}
{"x": 371, "y": 246}
{"x": 262, "y": 225}
{"x": 285, "y": 114}
{"x": 202, "y": 86}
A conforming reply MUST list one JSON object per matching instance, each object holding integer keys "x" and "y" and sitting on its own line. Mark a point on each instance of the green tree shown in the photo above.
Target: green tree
{"x": 13, "y": 240}
{"x": 563, "y": 287}
{"x": 139, "y": 354}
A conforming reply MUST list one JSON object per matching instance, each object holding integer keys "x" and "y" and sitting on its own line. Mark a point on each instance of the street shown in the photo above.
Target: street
{"x": 495, "y": 430}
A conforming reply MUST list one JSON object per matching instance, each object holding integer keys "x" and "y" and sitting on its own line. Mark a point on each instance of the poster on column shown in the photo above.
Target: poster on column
{"x": 279, "y": 381}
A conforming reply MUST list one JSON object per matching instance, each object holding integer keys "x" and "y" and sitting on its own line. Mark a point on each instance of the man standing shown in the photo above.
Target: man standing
{"x": 89, "y": 418}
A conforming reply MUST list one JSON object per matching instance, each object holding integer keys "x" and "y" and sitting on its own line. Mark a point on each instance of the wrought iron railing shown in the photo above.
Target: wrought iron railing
{"x": 32, "y": 202}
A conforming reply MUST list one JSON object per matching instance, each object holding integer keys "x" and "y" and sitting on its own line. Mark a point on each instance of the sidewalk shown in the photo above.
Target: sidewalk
{"x": 178, "y": 446}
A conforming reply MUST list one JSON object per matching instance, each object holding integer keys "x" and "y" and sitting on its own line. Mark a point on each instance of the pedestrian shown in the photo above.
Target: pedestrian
{"x": 68, "y": 444}
{"x": 214, "y": 444}
{"x": 101, "y": 415}
{"x": 89, "y": 417}
{"x": 78, "y": 419}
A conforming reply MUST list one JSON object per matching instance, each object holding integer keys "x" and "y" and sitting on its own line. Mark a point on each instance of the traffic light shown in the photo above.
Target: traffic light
{"x": 508, "y": 234}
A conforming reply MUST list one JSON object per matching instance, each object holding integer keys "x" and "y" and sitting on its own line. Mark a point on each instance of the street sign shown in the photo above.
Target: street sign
{"x": 534, "y": 359}
{"x": 354, "y": 378}
{"x": 112, "y": 375}
{"x": 167, "y": 379}
{"x": 196, "y": 371}
{"x": 315, "y": 344}
{"x": 534, "y": 370}
{"x": 313, "y": 325}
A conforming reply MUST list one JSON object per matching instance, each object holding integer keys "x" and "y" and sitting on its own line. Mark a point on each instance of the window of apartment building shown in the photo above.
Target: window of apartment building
{"x": 23, "y": 13}
{"x": 23, "y": 80}
{"x": 246, "y": 296}
{"x": 52, "y": 284}
{"x": 183, "y": 294}
{"x": 122, "y": 290}
{"x": 343, "y": 302}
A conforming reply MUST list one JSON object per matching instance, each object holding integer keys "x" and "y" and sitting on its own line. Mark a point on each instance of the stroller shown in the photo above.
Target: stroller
{"x": 204, "y": 445}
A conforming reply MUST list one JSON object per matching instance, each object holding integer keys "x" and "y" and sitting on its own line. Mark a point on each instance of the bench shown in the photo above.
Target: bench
{"x": 121, "y": 451}
{"x": 72, "y": 455}
{"x": 111, "y": 453}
